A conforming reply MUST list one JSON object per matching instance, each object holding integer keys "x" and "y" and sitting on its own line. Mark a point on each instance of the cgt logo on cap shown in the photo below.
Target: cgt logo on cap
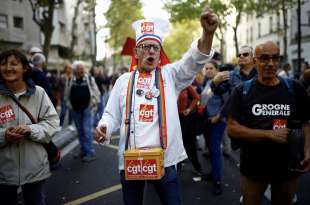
{"x": 147, "y": 27}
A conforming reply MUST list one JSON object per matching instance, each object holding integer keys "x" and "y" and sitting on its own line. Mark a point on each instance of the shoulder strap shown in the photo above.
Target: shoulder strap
{"x": 33, "y": 120}
{"x": 289, "y": 84}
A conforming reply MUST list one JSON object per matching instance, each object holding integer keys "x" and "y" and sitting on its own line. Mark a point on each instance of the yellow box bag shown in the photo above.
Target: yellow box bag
{"x": 144, "y": 164}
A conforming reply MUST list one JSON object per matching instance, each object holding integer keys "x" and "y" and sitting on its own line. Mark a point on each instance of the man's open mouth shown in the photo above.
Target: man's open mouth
{"x": 150, "y": 59}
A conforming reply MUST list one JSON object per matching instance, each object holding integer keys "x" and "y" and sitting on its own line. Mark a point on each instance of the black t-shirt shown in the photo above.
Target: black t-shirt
{"x": 267, "y": 107}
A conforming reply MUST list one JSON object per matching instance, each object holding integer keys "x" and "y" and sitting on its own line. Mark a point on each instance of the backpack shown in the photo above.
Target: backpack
{"x": 289, "y": 84}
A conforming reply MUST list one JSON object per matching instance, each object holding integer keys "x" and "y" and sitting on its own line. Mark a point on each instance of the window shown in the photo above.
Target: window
{"x": 270, "y": 24}
{"x": 308, "y": 17}
{"x": 18, "y": 22}
{"x": 3, "y": 21}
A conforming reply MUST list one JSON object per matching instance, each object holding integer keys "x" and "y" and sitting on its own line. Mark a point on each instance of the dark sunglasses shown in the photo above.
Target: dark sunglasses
{"x": 243, "y": 54}
{"x": 147, "y": 47}
{"x": 264, "y": 58}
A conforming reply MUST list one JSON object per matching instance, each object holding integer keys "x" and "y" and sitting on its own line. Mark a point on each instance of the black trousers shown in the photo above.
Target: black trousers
{"x": 188, "y": 127}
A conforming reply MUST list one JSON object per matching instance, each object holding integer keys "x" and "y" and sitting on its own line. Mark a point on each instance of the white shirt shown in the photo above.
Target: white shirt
{"x": 176, "y": 77}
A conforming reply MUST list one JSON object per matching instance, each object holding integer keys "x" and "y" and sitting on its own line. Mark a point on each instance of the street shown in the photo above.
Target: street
{"x": 97, "y": 182}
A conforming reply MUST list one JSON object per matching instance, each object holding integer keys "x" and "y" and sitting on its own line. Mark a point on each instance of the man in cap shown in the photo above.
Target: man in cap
{"x": 270, "y": 116}
{"x": 143, "y": 104}
{"x": 32, "y": 51}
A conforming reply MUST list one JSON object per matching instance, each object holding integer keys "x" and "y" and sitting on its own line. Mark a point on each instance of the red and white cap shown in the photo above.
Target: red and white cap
{"x": 151, "y": 29}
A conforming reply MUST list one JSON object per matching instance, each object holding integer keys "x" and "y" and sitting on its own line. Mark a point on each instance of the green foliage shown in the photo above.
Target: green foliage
{"x": 120, "y": 16}
{"x": 184, "y": 10}
{"x": 181, "y": 36}
{"x": 273, "y": 6}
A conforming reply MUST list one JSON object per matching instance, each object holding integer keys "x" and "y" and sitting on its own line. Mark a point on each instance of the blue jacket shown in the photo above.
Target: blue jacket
{"x": 235, "y": 78}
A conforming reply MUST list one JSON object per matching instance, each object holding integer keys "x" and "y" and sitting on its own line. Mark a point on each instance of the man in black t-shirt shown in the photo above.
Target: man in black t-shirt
{"x": 262, "y": 118}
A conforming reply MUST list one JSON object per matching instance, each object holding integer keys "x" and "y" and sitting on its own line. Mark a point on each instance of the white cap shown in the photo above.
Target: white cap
{"x": 154, "y": 29}
{"x": 35, "y": 50}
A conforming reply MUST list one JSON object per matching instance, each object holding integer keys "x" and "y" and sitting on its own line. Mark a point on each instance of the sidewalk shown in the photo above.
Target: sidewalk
{"x": 65, "y": 136}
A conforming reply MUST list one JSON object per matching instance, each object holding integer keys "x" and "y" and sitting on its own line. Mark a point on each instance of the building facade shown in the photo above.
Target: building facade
{"x": 254, "y": 30}
{"x": 18, "y": 30}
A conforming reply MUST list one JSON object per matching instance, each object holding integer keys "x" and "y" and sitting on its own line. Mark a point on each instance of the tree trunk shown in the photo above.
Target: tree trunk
{"x": 73, "y": 29}
{"x": 235, "y": 28}
{"x": 95, "y": 39}
{"x": 48, "y": 28}
{"x": 285, "y": 27}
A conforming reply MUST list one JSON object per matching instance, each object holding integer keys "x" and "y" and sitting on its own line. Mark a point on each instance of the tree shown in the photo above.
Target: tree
{"x": 182, "y": 11}
{"x": 120, "y": 16}
{"x": 73, "y": 29}
{"x": 172, "y": 45}
{"x": 268, "y": 6}
{"x": 90, "y": 7}
{"x": 42, "y": 15}
{"x": 241, "y": 7}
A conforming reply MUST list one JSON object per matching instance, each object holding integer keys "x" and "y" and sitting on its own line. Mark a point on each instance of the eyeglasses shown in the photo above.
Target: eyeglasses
{"x": 264, "y": 58}
{"x": 243, "y": 54}
{"x": 147, "y": 47}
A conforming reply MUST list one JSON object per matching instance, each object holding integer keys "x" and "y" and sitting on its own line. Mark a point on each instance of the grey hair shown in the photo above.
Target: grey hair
{"x": 247, "y": 46}
{"x": 76, "y": 63}
{"x": 38, "y": 59}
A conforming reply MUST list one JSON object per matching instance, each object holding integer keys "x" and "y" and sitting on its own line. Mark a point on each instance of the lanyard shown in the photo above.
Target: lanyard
{"x": 159, "y": 83}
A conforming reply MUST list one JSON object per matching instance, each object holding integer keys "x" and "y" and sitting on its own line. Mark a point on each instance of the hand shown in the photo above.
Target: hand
{"x": 100, "y": 134}
{"x": 215, "y": 119}
{"x": 220, "y": 77}
{"x": 22, "y": 130}
{"x": 11, "y": 136}
{"x": 186, "y": 112}
{"x": 305, "y": 163}
{"x": 279, "y": 135}
{"x": 208, "y": 20}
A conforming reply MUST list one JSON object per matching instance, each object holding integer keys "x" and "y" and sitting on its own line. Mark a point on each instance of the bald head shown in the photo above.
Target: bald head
{"x": 265, "y": 47}
{"x": 267, "y": 59}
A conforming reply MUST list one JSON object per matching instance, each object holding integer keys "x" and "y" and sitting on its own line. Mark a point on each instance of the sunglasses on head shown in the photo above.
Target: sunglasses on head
{"x": 243, "y": 54}
{"x": 148, "y": 47}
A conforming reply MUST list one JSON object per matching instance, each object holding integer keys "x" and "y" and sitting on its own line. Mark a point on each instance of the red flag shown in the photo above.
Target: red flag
{"x": 128, "y": 47}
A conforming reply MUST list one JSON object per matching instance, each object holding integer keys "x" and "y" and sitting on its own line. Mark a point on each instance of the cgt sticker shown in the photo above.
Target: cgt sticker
{"x": 147, "y": 27}
{"x": 279, "y": 123}
{"x": 144, "y": 81}
{"x": 6, "y": 114}
{"x": 146, "y": 113}
{"x": 143, "y": 167}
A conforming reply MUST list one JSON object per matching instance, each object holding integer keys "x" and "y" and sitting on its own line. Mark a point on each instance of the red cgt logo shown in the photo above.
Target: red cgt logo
{"x": 147, "y": 27}
{"x": 146, "y": 113}
{"x": 279, "y": 123}
{"x": 6, "y": 114}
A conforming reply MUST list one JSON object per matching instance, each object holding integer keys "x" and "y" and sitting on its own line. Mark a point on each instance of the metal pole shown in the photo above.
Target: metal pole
{"x": 297, "y": 73}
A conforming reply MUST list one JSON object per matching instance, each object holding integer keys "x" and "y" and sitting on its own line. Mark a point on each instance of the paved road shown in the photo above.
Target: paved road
{"x": 97, "y": 183}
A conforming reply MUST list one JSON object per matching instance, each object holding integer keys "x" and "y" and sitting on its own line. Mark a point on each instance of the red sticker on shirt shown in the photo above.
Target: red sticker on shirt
{"x": 6, "y": 114}
{"x": 279, "y": 123}
{"x": 144, "y": 81}
{"x": 146, "y": 113}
